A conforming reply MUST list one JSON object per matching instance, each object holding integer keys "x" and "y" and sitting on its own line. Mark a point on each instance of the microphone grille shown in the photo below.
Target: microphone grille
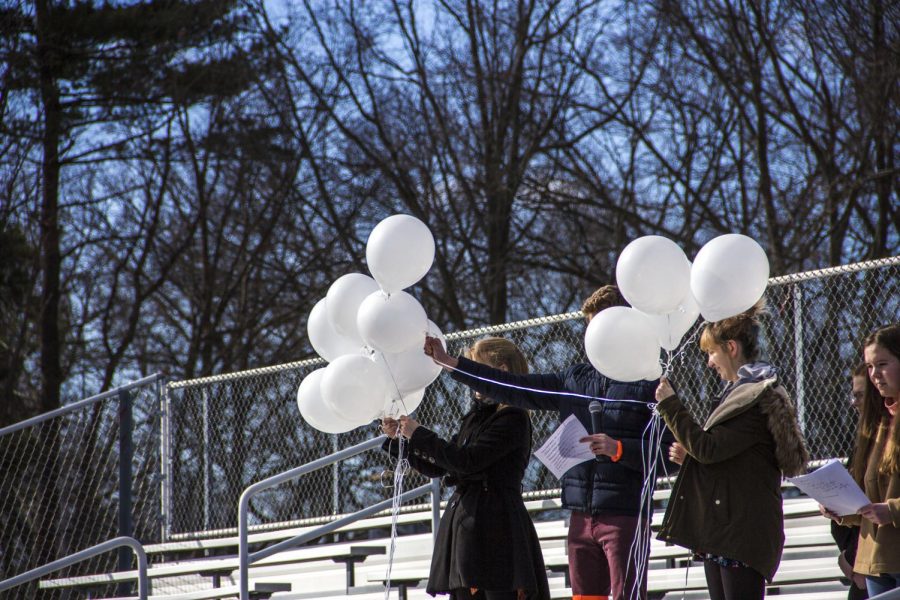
{"x": 594, "y": 406}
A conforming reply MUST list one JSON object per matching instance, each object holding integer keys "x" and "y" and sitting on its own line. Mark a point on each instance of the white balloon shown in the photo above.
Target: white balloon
{"x": 653, "y": 274}
{"x": 654, "y": 373}
{"x": 343, "y": 299}
{"x": 391, "y": 323}
{"x": 354, "y": 387}
{"x": 328, "y": 343}
{"x": 405, "y": 405}
{"x": 671, "y": 327}
{"x": 314, "y": 410}
{"x": 622, "y": 344}
{"x": 729, "y": 275}
{"x": 399, "y": 252}
{"x": 411, "y": 369}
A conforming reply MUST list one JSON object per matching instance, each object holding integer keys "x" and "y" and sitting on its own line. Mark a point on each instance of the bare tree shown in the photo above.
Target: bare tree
{"x": 762, "y": 93}
{"x": 449, "y": 117}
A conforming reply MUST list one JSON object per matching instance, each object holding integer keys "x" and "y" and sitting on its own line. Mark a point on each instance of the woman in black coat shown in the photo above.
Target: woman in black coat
{"x": 486, "y": 545}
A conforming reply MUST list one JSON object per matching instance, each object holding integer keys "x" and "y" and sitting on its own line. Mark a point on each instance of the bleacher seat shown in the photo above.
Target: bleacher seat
{"x": 808, "y": 569}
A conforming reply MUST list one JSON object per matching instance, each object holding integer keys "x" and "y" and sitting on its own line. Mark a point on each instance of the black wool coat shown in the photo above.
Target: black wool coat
{"x": 486, "y": 538}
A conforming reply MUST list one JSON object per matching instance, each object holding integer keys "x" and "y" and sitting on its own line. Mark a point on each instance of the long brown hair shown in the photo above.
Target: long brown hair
{"x": 873, "y": 413}
{"x": 498, "y": 352}
{"x": 742, "y": 328}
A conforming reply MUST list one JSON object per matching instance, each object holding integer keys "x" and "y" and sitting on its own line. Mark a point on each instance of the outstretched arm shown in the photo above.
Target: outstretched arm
{"x": 524, "y": 391}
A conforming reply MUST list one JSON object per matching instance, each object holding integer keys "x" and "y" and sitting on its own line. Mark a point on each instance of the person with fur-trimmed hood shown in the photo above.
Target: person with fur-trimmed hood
{"x": 726, "y": 504}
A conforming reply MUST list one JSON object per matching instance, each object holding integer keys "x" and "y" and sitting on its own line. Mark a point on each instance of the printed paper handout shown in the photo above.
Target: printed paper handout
{"x": 562, "y": 450}
{"x": 833, "y": 487}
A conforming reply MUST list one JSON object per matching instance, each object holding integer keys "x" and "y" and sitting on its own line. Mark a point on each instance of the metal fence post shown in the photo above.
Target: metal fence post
{"x": 165, "y": 463}
{"x": 207, "y": 467}
{"x": 126, "y": 454}
{"x": 335, "y": 479}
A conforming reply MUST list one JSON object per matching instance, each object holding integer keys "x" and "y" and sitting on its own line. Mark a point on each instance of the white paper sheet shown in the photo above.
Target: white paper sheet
{"x": 562, "y": 450}
{"x": 833, "y": 487}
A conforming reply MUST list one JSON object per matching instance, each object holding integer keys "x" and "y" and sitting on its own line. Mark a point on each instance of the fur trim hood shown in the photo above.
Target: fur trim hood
{"x": 781, "y": 419}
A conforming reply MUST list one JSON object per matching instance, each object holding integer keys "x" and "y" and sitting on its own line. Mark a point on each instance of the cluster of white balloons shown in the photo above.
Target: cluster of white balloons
{"x": 667, "y": 293}
{"x": 371, "y": 333}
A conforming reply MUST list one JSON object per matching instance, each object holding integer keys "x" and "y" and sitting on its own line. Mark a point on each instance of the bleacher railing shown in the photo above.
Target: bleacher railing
{"x": 246, "y": 558}
{"x": 64, "y": 484}
{"x": 87, "y": 554}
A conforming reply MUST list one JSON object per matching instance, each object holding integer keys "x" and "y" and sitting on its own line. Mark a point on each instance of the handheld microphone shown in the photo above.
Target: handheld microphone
{"x": 596, "y": 416}
{"x": 596, "y": 409}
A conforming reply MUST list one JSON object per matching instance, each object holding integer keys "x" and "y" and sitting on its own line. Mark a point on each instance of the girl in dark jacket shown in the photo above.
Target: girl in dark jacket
{"x": 726, "y": 503}
{"x": 486, "y": 546}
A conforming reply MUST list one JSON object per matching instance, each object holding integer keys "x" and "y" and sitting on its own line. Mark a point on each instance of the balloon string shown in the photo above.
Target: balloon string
{"x": 399, "y": 477}
{"x": 679, "y": 352}
{"x": 399, "y": 398}
{"x": 640, "y": 545}
{"x": 537, "y": 390}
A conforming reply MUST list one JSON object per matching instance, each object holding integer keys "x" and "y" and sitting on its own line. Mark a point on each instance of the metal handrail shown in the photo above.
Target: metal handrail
{"x": 77, "y": 405}
{"x": 143, "y": 582}
{"x": 244, "y": 556}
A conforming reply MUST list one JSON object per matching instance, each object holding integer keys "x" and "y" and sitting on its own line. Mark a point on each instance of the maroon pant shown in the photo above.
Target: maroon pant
{"x": 600, "y": 561}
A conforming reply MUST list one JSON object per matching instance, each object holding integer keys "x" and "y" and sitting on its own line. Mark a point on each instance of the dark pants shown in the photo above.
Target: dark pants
{"x": 485, "y": 595}
{"x": 599, "y": 557}
{"x": 733, "y": 583}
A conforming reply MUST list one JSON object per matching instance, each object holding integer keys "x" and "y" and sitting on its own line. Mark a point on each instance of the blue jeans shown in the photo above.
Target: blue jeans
{"x": 876, "y": 584}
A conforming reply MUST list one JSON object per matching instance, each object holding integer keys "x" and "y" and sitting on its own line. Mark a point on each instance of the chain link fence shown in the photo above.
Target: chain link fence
{"x": 60, "y": 484}
{"x": 196, "y": 449}
{"x": 229, "y": 431}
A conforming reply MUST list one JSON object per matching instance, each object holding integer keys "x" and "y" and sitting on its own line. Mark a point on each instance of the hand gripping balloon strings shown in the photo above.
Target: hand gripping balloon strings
{"x": 651, "y": 453}
{"x": 537, "y": 390}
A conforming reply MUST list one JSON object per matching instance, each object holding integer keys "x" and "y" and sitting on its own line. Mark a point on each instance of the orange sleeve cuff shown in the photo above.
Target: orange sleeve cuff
{"x": 618, "y": 451}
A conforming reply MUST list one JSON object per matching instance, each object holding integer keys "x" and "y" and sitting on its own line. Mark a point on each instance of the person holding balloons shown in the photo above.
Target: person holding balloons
{"x": 604, "y": 495}
{"x": 876, "y": 465}
{"x": 486, "y": 546}
{"x": 726, "y": 503}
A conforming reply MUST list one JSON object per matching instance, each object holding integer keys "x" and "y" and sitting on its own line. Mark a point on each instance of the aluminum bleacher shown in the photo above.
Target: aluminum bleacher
{"x": 808, "y": 569}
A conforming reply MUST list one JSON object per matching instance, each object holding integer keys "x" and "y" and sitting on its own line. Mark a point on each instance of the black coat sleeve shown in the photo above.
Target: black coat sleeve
{"x": 474, "y": 375}
{"x": 506, "y": 432}
{"x": 423, "y": 466}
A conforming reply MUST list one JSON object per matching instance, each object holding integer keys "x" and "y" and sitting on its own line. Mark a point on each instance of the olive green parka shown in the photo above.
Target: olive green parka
{"x": 727, "y": 498}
